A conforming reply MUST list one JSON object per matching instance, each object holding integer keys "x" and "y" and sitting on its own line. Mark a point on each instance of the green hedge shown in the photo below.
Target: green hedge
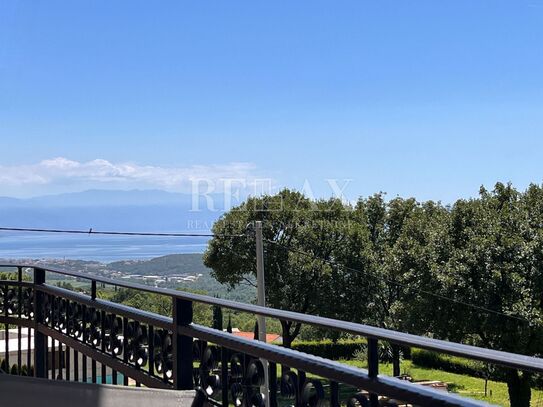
{"x": 342, "y": 349}
{"x": 453, "y": 364}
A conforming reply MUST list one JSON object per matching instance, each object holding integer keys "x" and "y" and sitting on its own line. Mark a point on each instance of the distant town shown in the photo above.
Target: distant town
{"x": 118, "y": 270}
{"x": 177, "y": 271}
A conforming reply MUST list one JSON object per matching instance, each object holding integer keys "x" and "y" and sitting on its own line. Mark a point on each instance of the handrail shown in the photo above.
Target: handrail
{"x": 327, "y": 368}
{"x": 331, "y": 370}
{"x": 501, "y": 358}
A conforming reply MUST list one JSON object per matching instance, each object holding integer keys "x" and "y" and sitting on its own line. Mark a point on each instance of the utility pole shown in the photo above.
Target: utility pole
{"x": 261, "y": 300}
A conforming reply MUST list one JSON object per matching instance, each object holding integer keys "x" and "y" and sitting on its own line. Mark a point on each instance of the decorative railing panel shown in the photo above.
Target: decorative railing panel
{"x": 66, "y": 335}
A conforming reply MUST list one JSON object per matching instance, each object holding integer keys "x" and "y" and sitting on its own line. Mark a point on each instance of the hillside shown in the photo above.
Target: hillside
{"x": 162, "y": 269}
{"x": 190, "y": 264}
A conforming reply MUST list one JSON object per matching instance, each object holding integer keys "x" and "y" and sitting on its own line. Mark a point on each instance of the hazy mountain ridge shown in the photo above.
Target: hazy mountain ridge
{"x": 145, "y": 210}
{"x": 109, "y": 197}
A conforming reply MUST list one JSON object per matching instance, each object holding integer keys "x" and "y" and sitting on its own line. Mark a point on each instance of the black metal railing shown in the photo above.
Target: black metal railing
{"x": 68, "y": 335}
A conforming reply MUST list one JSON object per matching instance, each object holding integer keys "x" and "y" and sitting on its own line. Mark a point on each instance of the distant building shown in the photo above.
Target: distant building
{"x": 270, "y": 337}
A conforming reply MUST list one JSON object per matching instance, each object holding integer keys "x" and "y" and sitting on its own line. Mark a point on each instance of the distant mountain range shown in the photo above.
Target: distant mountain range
{"x": 146, "y": 210}
{"x": 105, "y": 197}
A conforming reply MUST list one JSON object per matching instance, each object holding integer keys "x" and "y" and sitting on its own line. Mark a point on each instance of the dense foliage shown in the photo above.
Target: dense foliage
{"x": 468, "y": 272}
{"x": 342, "y": 349}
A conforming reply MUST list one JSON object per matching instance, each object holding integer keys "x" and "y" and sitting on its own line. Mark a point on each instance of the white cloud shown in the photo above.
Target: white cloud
{"x": 66, "y": 174}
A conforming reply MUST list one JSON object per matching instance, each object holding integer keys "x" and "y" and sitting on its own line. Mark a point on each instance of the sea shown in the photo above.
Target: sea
{"x": 101, "y": 248}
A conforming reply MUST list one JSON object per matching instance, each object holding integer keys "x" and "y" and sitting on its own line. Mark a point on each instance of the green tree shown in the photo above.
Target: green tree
{"x": 487, "y": 252}
{"x": 294, "y": 224}
{"x": 371, "y": 270}
{"x": 472, "y": 272}
{"x": 415, "y": 264}
{"x": 496, "y": 262}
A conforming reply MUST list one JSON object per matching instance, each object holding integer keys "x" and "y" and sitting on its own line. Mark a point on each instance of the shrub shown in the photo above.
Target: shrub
{"x": 361, "y": 354}
{"x": 454, "y": 364}
{"x": 342, "y": 349}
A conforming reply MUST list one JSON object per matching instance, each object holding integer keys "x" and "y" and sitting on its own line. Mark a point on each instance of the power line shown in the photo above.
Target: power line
{"x": 419, "y": 291}
{"x": 91, "y": 231}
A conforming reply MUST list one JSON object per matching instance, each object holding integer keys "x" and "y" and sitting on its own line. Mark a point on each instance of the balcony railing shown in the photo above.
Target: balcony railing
{"x": 67, "y": 335}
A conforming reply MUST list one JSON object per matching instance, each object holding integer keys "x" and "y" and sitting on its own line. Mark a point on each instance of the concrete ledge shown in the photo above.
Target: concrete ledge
{"x": 16, "y": 391}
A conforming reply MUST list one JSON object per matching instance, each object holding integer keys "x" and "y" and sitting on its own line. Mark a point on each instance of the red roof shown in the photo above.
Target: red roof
{"x": 250, "y": 335}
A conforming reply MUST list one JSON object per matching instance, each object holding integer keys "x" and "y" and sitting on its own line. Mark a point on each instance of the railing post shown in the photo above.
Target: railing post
{"x": 182, "y": 345}
{"x": 93, "y": 289}
{"x": 373, "y": 367}
{"x": 40, "y": 340}
{"x": 396, "y": 367}
{"x": 273, "y": 384}
{"x": 334, "y": 394}
{"x": 19, "y": 314}
{"x": 93, "y": 362}
{"x": 224, "y": 376}
{"x": 6, "y": 327}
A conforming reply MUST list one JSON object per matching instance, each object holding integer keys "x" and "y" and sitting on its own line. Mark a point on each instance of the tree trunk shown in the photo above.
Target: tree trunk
{"x": 287, "y": 338}
{"x": 518, "y": 385}
{"x": 288, "y": 335}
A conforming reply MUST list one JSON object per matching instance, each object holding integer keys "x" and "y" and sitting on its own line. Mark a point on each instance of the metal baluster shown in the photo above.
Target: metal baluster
{"x": 224, "y": 376}
{"x": 93, "y": 362}
{"x": 53, "y": 360}
{"x": 182, "y": 345}
{"x": 93, "y": 370}
{"x": 103, "y": 327}
{"x": 52, "y": 319}
{"x": 19, "y": 327}
{"x": 84, "y": 337}
{"x": 301, "y": 381}
{"x": 6, "y": 328}
{"x": 138, "y": 384}
{"x": 395, "y": 360}
{"x": 125, "y": 348}
{"x": 373, "y": 367}
{"x": 61, "y": 361}
{"x": 112, "y": 346}
{"x": 68, "y": 362}
{"x": 84, "y": 368}
{"x": 76, "y": 365}
{"x": 151, "y": 342}
{"x": 40, "y": 340}
{"x": 273, "y": 384}
{"x": 334, "y": 394}
{"x": 28, "y": 350}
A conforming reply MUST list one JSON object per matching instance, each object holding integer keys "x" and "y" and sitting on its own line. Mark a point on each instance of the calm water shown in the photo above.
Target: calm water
{"x": 92, "y": 247}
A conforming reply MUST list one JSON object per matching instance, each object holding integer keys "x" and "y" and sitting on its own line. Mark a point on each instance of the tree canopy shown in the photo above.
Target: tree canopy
{"x": 468, "y": 272}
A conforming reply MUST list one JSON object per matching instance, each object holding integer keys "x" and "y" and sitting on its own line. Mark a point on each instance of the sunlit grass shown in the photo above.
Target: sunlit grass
{"x": 463, "y": 385}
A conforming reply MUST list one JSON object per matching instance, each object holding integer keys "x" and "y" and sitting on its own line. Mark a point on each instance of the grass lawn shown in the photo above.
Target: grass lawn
{"x": 466, "y": 386}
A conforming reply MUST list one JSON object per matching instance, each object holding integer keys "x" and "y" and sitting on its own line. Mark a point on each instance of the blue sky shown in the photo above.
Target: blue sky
{"x": 422, "y": 98}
